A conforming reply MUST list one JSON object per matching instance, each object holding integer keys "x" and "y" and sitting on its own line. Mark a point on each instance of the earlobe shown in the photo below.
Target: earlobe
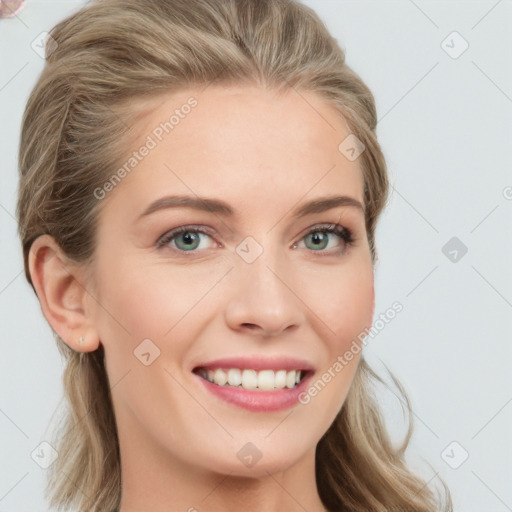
{"x": 61, "y": 294}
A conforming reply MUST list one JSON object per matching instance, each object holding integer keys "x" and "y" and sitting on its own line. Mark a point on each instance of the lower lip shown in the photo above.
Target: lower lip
{"x": 258, "y": 401}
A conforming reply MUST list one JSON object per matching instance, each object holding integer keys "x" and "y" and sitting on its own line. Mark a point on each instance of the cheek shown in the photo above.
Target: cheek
{"x": 343, "y": 302}
{"x": 130, "y": 311}
{"x": 155, "y": 302}
{"x": 343, "y": 312}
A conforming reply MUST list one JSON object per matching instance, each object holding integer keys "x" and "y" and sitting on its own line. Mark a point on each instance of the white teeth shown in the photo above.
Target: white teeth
{"x": 249, "y": 379}
{"x": 264, "y": 380}
{"x": 220, "y": 377}
{"x": 234, "y": 377}
{"x": 290, "y": 379}
{"x": 280, "y": 379}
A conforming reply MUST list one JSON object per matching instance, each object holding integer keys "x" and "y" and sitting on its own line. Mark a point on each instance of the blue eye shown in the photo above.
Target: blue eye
{"x": 188, "y": 238}
{"x": 319, "y": 236}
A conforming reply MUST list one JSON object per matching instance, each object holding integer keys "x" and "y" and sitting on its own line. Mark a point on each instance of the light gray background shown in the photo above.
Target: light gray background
{"x": 445, "y": 127}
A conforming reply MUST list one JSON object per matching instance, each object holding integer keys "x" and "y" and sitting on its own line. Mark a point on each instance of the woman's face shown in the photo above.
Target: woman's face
{"x": 254, "y": 286}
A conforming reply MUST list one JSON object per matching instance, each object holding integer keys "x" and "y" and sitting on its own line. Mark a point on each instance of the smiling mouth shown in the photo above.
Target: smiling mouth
{"x": 252, "y": 380}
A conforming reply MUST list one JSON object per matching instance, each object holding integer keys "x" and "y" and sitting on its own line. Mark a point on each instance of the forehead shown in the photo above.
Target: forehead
{"x": 241, "y": 143}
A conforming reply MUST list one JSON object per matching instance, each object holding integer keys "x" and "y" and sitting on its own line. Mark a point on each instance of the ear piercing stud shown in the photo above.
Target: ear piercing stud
{"x": 81, "y": 340}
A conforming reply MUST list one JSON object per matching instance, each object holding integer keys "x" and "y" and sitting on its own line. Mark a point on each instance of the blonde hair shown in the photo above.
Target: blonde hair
{"x": 101, "y": 62}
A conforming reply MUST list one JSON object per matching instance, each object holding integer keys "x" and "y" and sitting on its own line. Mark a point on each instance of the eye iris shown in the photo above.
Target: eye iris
{"x": 189, "y": 238}
{"x": 319, "y": 236}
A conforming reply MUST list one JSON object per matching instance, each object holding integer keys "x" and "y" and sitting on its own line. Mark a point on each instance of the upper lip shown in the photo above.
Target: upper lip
{"x": 258, "y": 363}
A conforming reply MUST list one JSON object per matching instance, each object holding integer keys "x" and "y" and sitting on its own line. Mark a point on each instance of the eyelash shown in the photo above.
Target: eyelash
{"x": 344, "y": 233}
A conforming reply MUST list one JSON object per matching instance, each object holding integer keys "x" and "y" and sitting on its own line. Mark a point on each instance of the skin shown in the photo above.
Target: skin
{"x": 265, "y": 154}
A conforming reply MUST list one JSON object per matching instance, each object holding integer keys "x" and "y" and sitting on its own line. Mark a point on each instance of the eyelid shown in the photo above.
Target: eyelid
{"x": 344, "y": 233}
{"x": 172, "y": 233}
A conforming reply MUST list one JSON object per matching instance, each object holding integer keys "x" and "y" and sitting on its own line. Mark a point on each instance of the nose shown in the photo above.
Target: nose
{"x": 264, "y": 299}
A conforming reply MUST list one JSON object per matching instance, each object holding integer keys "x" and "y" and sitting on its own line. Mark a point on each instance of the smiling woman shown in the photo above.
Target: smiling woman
{"x": 220, "y": 279}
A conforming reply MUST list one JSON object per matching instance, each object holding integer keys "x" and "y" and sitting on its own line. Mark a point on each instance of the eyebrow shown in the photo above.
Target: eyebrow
{"x": 211, "y": 205}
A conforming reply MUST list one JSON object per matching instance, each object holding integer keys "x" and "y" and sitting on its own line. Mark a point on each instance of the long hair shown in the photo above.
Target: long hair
{"x": 104, "y": 63}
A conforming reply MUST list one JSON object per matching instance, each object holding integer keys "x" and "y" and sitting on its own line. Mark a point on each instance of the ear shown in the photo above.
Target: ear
{"x": 61, "y": 289}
